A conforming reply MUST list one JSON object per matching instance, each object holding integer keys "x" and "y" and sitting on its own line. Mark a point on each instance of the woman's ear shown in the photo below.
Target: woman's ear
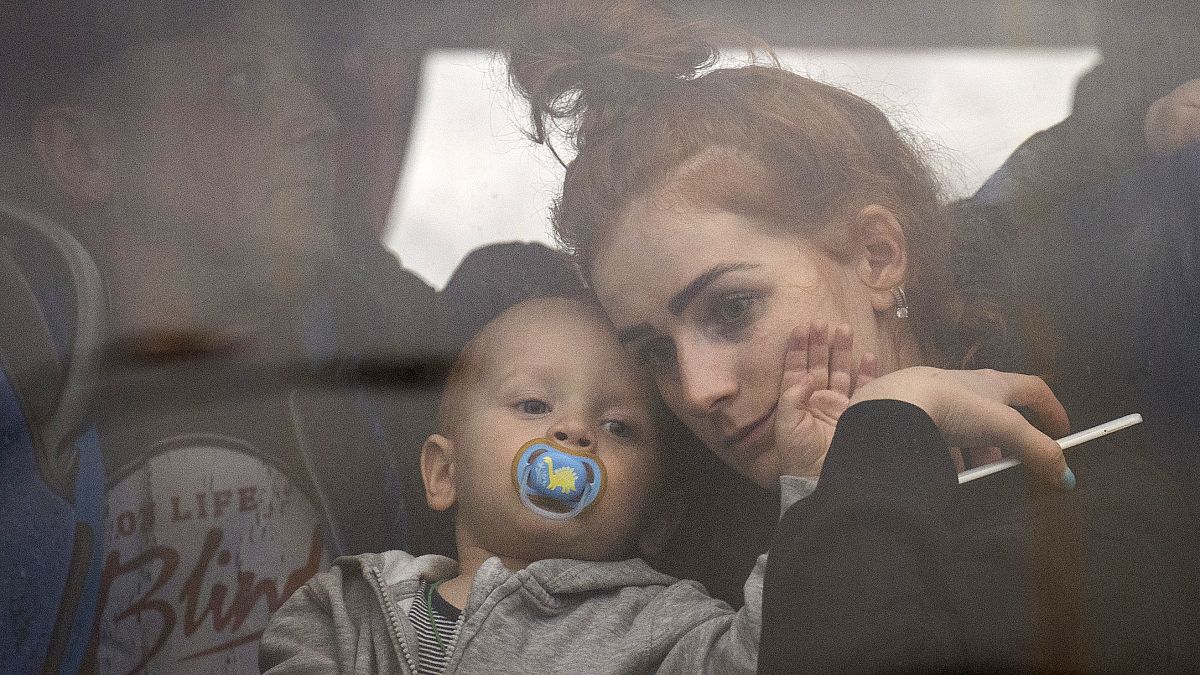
{"x": 881, "y": 254}
{"x": 73, "y": 150}
{"x": 437, "y": 470}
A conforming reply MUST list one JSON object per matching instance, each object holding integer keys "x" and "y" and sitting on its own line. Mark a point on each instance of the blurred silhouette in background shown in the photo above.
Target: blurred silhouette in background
{"x": 216, "y": 378}
{"x": 1101, "y": 215}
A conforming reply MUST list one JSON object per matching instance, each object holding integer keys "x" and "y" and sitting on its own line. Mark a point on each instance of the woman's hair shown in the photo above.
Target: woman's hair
{"x": 636, "y": 92}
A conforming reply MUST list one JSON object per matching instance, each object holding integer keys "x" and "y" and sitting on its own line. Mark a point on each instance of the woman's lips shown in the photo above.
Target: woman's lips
{"x": 749, "y": 436}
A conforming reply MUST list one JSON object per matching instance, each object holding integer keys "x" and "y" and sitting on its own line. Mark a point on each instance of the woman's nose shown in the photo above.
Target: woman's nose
{"x": 706, "y": 378}
{"x": 571, "y": 430}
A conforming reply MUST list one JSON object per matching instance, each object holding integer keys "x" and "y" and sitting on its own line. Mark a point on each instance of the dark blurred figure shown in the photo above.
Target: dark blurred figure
{"x": 257, "y": 363}
{"x": 1101, "y": 213}
{"x": 1147, "y": 51}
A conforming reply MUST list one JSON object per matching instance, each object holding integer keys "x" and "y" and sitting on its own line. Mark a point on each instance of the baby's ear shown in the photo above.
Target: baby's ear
{"x": 437, "y": 470}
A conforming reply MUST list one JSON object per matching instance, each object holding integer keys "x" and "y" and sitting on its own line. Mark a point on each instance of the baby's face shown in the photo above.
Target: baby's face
{"x": 553, "y": 369}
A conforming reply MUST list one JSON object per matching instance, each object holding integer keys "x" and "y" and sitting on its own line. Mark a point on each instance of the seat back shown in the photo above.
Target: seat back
{"x": 51, "y": 473}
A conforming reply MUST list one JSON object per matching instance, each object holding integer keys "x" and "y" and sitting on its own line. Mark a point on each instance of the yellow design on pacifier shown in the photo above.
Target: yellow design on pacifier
{"x": 557, "y": 478}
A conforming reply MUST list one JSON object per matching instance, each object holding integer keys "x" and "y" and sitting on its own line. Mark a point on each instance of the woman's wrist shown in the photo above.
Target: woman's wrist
{"x": 887, "y": 441}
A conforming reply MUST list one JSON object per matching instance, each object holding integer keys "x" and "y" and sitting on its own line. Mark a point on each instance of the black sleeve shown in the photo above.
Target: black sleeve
{"x": 854, "y": 580}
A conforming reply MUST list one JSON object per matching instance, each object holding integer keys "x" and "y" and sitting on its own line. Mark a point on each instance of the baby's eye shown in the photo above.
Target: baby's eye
{"x": 533, "y": 406}
{"x": 617, "y": 428}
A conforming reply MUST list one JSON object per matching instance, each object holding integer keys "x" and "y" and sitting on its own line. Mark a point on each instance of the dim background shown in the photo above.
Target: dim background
{"x": 471, "y": 177}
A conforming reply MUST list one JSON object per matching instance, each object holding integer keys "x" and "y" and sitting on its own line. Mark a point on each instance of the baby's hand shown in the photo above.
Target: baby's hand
{"x": 818, "y": 381}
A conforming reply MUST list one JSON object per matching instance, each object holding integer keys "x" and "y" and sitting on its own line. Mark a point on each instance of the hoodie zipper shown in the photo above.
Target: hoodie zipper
{"x": 389, "y": 610}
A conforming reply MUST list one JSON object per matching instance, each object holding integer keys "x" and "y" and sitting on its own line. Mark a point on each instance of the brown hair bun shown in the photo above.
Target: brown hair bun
{"x": 586, "y": 63}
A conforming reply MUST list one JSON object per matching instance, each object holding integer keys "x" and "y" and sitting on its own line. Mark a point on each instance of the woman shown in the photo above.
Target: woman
{"x": 827, "y": 203}
{"x": 765, "y": 244}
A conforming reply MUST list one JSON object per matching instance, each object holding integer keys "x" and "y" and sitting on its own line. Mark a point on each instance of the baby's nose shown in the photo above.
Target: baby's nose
{"x": 571, "y": 432}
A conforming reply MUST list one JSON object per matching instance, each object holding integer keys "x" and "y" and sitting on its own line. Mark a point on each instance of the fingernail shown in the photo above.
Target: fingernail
{"x": 1067, "y": 480}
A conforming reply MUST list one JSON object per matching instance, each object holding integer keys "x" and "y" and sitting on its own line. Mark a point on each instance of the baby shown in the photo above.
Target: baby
{"x": 549, "y": 453}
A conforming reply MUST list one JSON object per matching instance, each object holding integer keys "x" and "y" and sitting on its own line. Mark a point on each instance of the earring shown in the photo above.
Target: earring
{"x": 901, "y": 302}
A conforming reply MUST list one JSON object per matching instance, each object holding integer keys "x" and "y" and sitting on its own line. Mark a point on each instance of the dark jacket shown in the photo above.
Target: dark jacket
{"x": 891, "y": 566}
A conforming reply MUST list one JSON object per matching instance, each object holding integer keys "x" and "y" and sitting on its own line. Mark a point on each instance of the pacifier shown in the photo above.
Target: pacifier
{"x": 556, "y": 477}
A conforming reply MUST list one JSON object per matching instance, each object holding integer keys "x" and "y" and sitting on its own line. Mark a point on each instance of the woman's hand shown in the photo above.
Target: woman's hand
{"x": 974, "y": 408}
{"x": 818, "y": 380}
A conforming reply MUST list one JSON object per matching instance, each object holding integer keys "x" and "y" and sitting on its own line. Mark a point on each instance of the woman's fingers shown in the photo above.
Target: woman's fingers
{"x": 973, "y": 457}
{"x": 1033, "y": 394}
{"x": 957, "y": 456}
{"x": 841, "y": 371}
{"x": 976, "y": 409}
{"x": 1037, "y": 450}
{"x": 998, "y": 424}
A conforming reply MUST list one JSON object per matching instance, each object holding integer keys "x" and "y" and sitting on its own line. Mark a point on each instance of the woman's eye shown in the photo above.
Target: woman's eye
{"x": 617, "y": 428}
{"x": 733, "y": 308}
{"x": 732, "y": 312}
{"x": 533, "y": 406}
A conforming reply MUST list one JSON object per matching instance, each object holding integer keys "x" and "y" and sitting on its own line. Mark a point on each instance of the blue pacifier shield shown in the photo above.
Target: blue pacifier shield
{"x": 544, "y": 469}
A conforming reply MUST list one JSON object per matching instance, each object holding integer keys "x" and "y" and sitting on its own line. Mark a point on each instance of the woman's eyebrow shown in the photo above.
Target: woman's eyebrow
{"x": 683, "y": 298}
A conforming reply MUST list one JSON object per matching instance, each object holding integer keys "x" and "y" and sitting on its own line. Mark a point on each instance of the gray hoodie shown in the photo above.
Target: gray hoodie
{"x": 552, "y": 616}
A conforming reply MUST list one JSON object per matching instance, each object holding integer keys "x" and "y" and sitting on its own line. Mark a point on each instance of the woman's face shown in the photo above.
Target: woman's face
{"x": 707, "y": 299}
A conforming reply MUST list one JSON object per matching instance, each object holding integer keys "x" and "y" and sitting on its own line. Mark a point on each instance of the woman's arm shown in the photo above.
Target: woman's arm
{"x": 977, "y": 409}
{"x": 853, "y": 583}
{"x": 856, "y": 579}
